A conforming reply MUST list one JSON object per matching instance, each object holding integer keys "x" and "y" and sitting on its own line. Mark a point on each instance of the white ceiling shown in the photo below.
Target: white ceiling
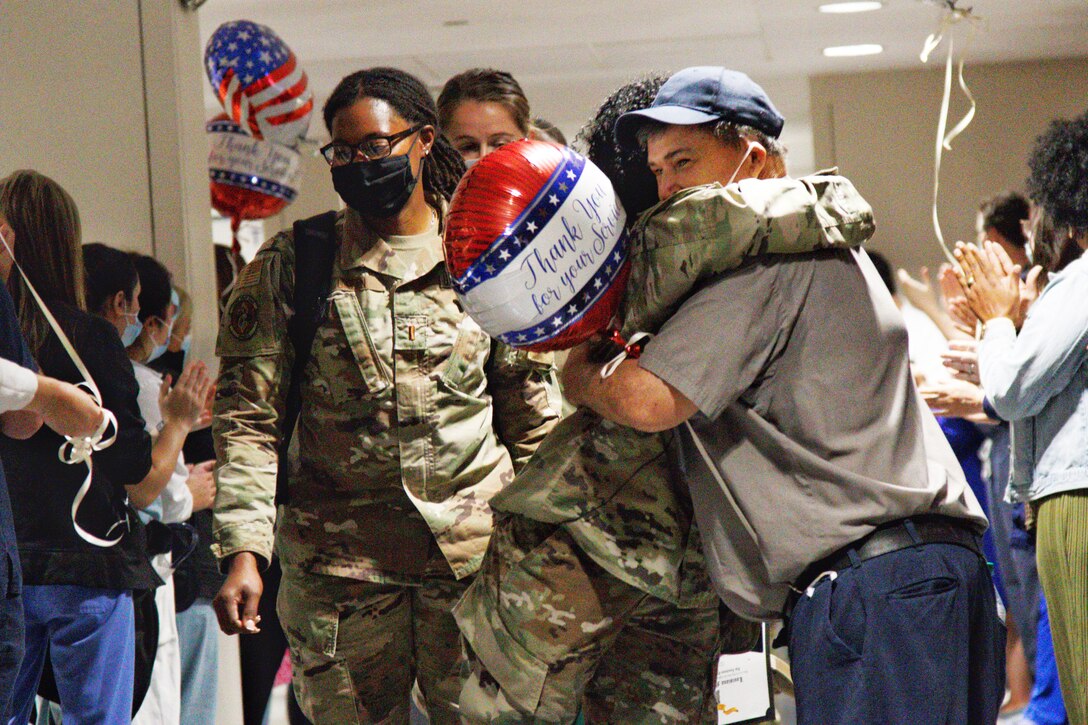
{"x": 570, "y": 54}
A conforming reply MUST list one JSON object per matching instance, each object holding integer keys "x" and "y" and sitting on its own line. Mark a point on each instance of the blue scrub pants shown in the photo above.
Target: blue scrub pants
{"x": 912, "y": 636}
{"x": 1046, "y": 706}
{"x": 91, "y": 636}
{"x": 198, "y": 642}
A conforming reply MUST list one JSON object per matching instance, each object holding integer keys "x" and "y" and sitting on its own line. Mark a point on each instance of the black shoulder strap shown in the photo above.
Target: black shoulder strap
{"x": 315, "y": 249}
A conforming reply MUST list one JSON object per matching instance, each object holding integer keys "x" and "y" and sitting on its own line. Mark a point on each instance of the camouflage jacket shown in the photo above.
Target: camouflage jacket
{"x": 614, "y": 488}
{"x": 411, "y": 419}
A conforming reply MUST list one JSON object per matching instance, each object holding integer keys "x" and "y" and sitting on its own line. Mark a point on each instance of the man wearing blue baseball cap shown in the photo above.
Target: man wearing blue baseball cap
{"x": 824, "y": 491}
{"x": 709, "y": 124}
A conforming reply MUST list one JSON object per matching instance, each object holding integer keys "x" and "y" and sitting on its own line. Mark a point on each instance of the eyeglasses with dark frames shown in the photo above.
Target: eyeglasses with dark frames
{"x": 374, "y": 148}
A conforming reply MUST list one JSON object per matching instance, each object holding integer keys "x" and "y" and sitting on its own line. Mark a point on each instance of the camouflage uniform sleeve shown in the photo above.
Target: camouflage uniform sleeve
{"x": 254, "y": 369}
{"x": 707, "y": 230}
{"x": 524, "y": 389}
{"x": 759, "y": 216}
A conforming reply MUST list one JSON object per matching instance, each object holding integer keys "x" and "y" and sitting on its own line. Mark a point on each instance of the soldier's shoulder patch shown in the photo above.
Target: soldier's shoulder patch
{"x": 242, "y": 316}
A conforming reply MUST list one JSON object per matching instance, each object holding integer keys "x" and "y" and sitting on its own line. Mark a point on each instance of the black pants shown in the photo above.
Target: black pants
{"x": 910, "y": 637}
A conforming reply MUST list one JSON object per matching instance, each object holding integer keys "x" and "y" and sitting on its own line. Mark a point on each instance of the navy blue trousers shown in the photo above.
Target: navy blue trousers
{"x": 11, "y": 632}
{"x": 912, "y": 637}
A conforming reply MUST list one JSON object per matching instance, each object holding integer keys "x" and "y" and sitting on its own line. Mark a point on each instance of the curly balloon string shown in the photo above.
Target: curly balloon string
{"x": 236, "y": 259}
{"x": 950, "y": 19}
{"x": 78, "y": 450}
{"x": 631, "y": 350}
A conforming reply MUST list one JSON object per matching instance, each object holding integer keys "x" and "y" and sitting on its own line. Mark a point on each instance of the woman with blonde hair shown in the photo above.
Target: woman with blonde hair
{"x": 78, "y": 569}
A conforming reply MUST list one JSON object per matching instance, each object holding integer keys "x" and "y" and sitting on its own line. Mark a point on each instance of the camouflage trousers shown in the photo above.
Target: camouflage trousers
{"x": 549, "y": 633}
{"x": 357, "y": 647}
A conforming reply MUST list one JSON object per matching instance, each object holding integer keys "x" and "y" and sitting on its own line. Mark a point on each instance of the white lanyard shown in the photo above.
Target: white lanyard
{"x": 78, "y": 450}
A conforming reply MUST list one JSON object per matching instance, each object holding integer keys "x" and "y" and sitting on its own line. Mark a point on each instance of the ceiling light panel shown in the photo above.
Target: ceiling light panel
{"x": 851, "y": 51}
{"x": 851, "y": 7}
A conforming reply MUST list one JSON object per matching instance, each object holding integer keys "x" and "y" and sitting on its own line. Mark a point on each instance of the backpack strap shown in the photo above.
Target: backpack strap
{"x": 315, "y": 250}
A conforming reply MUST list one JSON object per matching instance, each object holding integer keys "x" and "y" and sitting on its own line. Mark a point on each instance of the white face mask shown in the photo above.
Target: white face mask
{"x": 469, "y": 163}
{"x": 741, "y": 164}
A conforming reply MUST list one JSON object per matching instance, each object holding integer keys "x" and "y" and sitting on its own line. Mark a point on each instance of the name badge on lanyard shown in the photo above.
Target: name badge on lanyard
{"x": 743, "y": 686}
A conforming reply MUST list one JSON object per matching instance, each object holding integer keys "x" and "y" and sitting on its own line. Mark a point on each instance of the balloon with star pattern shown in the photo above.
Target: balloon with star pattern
{"x": 536, "y": 246}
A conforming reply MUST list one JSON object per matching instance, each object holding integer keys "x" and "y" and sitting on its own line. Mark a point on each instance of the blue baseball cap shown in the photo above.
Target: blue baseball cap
{"x": 703, "y": 94}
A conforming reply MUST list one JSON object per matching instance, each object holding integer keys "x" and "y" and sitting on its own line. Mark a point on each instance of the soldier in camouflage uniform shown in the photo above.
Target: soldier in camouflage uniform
{"x": 594, "y": 594}
{"x": 411, "y": 419}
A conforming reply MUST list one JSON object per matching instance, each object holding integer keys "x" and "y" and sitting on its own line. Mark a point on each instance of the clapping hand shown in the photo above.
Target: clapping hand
{"x": 919, "y": 292}
{"x": 185, "y": 401}
{"x": 989, "y": 279}
{"x": 953, "y": 398}
{"x": 955, "y": 301}
{"x": 961, "y": 358}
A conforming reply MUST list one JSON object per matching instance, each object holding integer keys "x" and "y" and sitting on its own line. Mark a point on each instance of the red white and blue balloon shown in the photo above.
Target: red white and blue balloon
{"x": 250, "y": 178}
{"x": 536, "y": 245}
{"x": 259, "y": 81}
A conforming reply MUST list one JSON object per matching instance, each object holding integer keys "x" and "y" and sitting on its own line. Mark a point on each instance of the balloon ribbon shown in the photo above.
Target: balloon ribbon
{"x": 78, "y": 450}
{"x": 953, "y": 15}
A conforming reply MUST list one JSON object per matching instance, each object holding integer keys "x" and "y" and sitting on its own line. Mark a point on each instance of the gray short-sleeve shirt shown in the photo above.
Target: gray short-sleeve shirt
{"x": 798, "y": 365}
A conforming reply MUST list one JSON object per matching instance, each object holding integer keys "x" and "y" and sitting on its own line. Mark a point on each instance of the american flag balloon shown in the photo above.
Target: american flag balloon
{"x": 259, "y": 81}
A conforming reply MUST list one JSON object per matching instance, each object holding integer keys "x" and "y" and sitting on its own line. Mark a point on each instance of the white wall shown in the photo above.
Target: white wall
{"x": 880, "y": 129}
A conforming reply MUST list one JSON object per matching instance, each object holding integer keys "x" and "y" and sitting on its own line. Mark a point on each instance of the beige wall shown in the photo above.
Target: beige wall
{"x": 105, "y": 97}
{"x": 880, "y": 129}
{"x": 74, "y": 110}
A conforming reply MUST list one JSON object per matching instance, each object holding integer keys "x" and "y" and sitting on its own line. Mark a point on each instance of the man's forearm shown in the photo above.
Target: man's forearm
{"x": 630, "y": 396}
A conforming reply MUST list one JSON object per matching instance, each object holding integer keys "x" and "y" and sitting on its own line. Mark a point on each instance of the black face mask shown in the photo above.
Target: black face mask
{"x": 376, "y": 188}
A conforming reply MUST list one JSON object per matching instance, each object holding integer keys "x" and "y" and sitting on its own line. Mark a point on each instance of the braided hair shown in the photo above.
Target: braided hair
{"x": 625, "y": 167}
{"x": 443, "y": 168}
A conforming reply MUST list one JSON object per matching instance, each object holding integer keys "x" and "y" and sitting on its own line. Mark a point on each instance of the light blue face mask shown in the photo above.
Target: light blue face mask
{"x": 132, "y": 330}
{"x": 160, "y": 349}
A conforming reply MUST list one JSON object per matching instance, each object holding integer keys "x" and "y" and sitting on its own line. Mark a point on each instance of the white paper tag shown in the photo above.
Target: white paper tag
{"x": 743, "y": 688}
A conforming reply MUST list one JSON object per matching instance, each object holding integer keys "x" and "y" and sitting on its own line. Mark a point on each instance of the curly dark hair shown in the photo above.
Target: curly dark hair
{"x": 443, "y": 169}
{"x": 625, "y": 167}
{"x": 1059, "y": 173}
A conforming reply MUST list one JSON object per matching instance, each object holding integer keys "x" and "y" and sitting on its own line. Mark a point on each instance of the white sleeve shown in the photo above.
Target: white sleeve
{"x": 147, "y": 397}
{"x": 176, "y": 498}
{"x": 18, "y": 386}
